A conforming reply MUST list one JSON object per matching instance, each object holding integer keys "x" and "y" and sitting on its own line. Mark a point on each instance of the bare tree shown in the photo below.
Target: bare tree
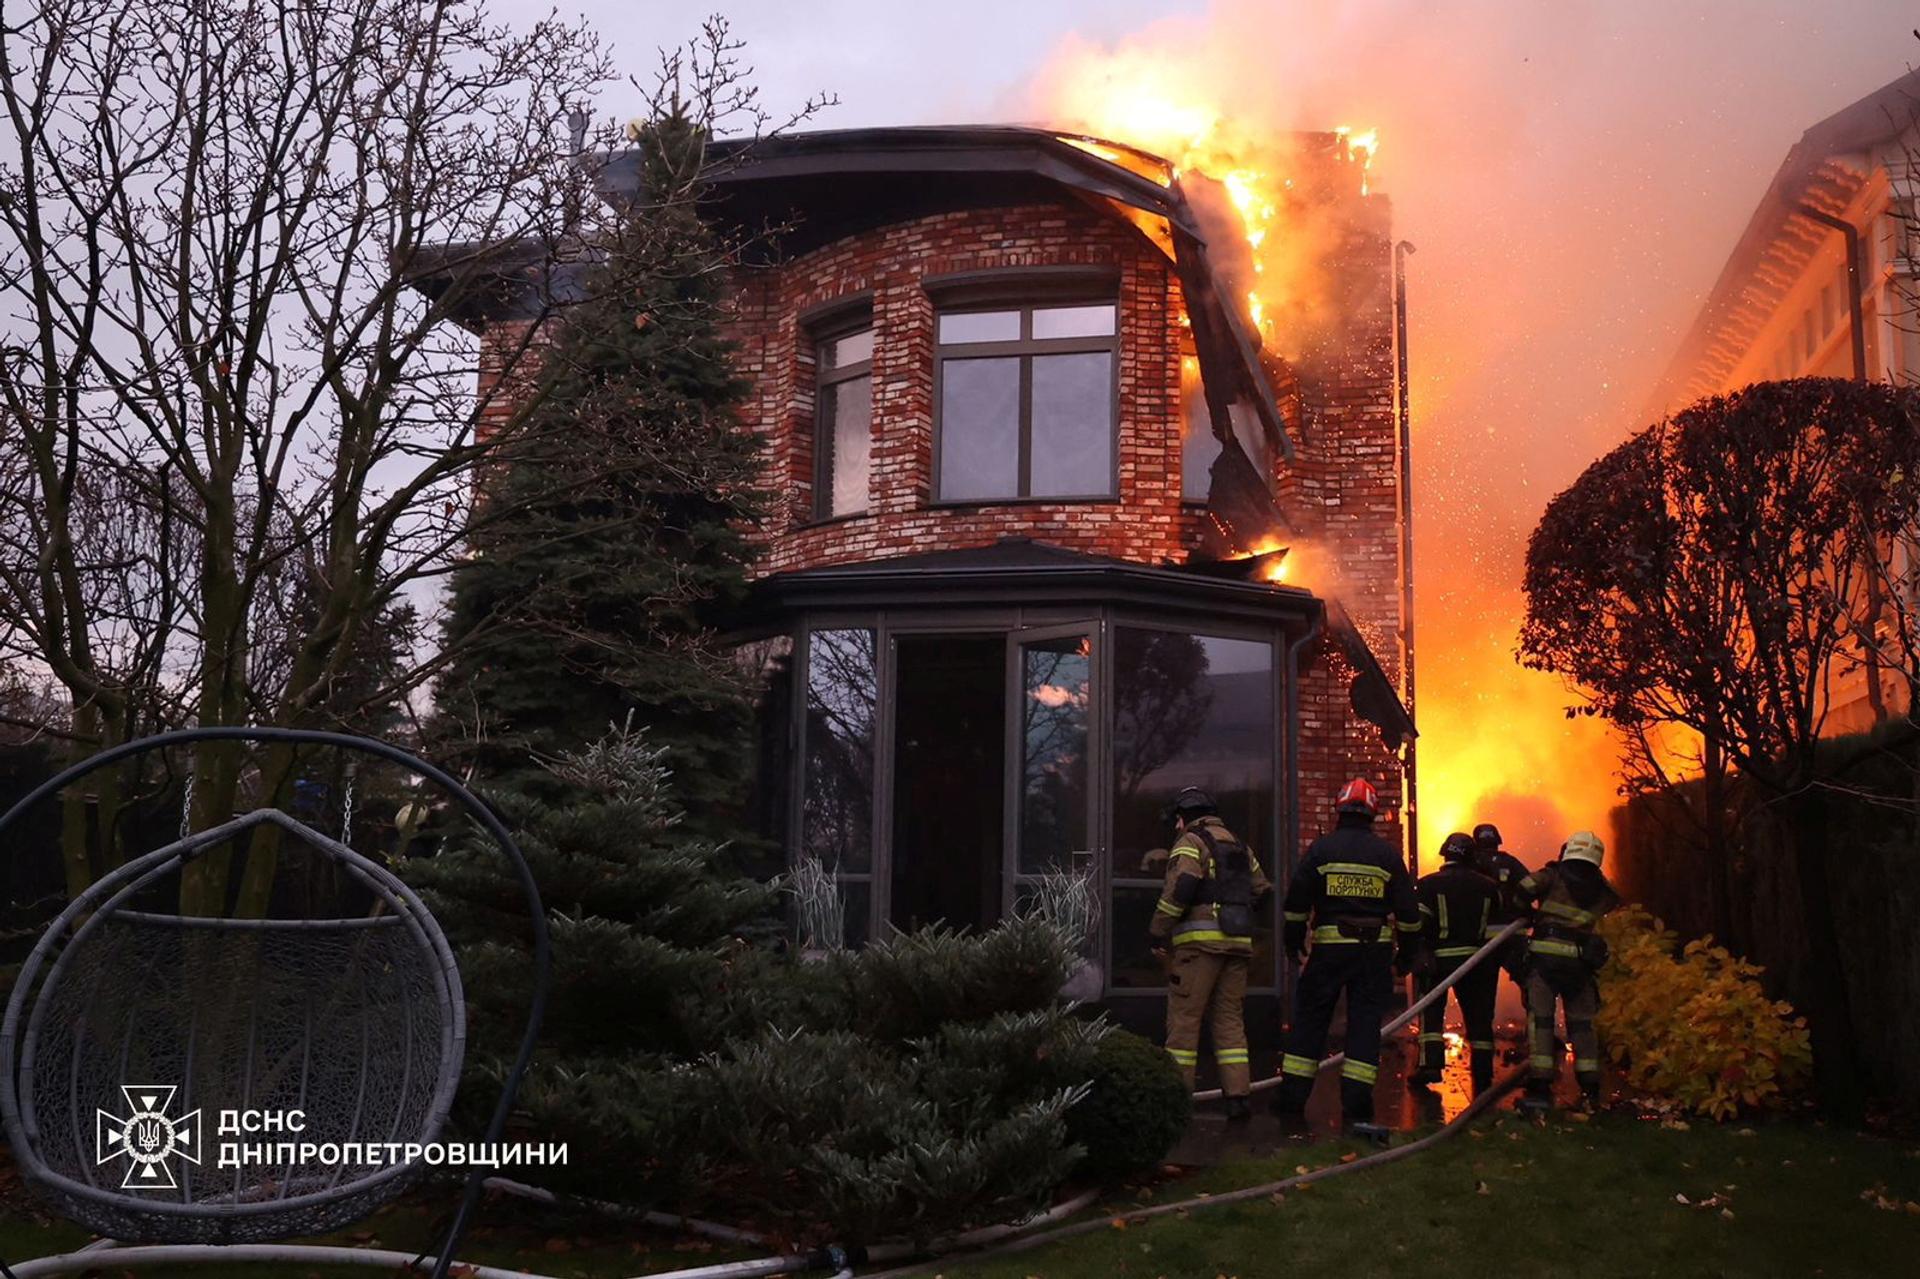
{"x": 243, "y": 246}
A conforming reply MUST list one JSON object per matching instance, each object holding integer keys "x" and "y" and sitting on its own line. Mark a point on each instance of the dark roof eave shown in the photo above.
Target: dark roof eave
{"x": 871, "y": 584}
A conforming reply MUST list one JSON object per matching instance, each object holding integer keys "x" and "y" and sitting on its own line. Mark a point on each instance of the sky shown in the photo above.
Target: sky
{"x": 1573, "y": 175}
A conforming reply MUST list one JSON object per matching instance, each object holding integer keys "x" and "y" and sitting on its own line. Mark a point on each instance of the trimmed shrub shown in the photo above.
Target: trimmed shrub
{"x": 1135, "y": 1109}
{"x": 1693, "y": 1024}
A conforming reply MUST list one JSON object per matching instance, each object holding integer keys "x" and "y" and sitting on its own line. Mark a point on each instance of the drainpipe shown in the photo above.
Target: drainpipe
{"x": 1410, "y": 770}
{"x": 1855, "y": 283}
{"x": 1292, "y": 713}
{"x": 1856, "y": 308}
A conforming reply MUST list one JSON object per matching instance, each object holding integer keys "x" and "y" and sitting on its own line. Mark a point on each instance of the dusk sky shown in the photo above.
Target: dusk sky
{"x": 1573, "y": 174}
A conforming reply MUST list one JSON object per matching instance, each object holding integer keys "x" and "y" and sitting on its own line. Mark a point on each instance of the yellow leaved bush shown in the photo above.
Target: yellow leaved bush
{"x": 1691, "y": 1023}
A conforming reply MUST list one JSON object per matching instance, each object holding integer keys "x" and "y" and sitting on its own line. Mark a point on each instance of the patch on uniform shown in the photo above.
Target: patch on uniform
{"x": 1342, "y": 884}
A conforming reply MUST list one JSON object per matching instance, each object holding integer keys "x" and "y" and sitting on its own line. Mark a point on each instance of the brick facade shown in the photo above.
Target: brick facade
{"x": 1341, "y": 490}
{"x": 1147, "y": 522}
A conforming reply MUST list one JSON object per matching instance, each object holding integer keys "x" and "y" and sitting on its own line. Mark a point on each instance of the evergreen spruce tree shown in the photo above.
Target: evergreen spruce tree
{"x": 604, "y": 555}
{"x": 647, "y": 921}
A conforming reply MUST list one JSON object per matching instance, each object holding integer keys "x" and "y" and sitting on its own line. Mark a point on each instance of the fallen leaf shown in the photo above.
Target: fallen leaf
{"x": 1119, "y": 1223}
{"x": 1682, "y": 1199}
{"x": 1481, "y": 1188}
{"x": 1302, "y": 1169}
{"x": 1726, "y": 1214}
{"x": 1349, "y": 1157}
{"x": 1277, "y": 1198}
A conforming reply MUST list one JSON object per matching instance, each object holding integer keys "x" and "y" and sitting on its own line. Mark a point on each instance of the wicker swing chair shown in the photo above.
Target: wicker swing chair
{"x": 130, "y": 1031}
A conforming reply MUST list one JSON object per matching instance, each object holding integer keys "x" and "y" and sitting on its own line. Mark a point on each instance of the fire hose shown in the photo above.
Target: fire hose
{"x": 1439, "y": 991}
{"x": 1474, "y": 1109}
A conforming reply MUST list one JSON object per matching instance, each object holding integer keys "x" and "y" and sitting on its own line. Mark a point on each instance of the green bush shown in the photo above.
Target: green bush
{"x": 1135, "y": 1110}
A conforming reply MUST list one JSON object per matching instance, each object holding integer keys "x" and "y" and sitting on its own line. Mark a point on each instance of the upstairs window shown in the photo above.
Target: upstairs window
{"x": 843, "y": 422}
{"x": 1026, "y": 402}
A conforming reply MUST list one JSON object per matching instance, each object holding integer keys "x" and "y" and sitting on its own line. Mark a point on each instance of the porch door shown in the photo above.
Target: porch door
{"x": 1052, "y": 743}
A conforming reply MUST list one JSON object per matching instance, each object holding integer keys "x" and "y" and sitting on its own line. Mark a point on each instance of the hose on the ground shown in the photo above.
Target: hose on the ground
{"x": 1439, "y": 991}
{"x": 93, "y": 1258}
{"x": 1474, "y": 1109}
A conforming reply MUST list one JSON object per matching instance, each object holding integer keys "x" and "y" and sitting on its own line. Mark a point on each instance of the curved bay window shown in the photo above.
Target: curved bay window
{"x": 1025, "y": 401}
{"x": 976, "y": 732}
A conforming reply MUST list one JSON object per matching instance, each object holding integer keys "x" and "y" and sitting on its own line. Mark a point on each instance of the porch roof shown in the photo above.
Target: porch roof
{"x": 1019, "y": 571}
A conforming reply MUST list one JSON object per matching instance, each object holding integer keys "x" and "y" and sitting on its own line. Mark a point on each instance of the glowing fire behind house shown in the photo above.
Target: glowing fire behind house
{"x": 1495, "y": 741}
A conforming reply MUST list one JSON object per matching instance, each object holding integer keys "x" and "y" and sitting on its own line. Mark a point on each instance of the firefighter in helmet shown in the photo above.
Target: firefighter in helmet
{"x": 1506, "y": 870}
{"x": 1456, "y": 903}
{"x": 1352, "y": 895}
{"x": 1211, "y": 895}
{"x": 1566, "y": 900}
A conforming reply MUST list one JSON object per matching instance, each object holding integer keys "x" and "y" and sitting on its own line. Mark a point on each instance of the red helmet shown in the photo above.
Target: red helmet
{"x": 1358, "y": 796}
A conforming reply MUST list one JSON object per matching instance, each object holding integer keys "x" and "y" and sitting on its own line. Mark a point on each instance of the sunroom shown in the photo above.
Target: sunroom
{"x": 943, "y": 729}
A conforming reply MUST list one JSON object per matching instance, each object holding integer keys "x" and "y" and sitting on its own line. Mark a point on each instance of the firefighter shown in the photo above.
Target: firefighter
{"x": 1506, "y": 870}
{"x": 1355, "y": 891}
{"x": 1213, "y": 888}
{"x": 1456, "y": 903}
{"x": 1566, "y": 900}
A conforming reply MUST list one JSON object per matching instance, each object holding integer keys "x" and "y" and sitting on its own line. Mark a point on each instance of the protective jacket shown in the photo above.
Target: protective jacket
{"x": 1352, "y": 887}
{"x": 1457, "y": 903}
{"x": 1506, "y": 870}
{"x": 1213, "y": 888}
{"x": 1568, "y": 899}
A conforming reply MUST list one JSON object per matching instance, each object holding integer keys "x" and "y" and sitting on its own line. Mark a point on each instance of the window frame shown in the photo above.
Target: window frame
{"x": 1024, "y": 299}
{"x": 842, "y": 324}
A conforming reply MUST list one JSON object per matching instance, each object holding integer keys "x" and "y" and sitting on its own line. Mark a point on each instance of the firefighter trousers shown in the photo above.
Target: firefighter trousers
{"x": 1209, "y": 988}
{"x": 1475, "y": 993}
{"x": 1580, "y": 1006}
{"x": 1363, "y": 972}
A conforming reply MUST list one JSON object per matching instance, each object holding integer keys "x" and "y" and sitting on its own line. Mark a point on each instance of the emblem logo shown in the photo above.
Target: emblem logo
{"x": 146, "y": 1138}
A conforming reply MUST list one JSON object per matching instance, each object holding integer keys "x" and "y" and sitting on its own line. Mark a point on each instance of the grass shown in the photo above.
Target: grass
{"x": 1569, "y": 1200}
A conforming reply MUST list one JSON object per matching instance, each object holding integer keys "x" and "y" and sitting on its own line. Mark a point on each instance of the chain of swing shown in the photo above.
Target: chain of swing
{"x": 346, "y": 805}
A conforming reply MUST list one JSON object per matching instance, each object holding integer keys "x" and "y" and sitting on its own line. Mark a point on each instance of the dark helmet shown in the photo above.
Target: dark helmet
{"x": 1487, "y": 835}
{"x": 1457, "y": 847}
{"x": 1189, "y": 804}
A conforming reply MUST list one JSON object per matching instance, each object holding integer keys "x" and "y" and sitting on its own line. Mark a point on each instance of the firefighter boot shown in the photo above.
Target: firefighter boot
{"x": 1239, "y": 1110}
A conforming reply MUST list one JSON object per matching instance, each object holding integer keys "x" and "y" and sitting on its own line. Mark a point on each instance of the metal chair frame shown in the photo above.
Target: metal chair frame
{"x": 104, "y": 900}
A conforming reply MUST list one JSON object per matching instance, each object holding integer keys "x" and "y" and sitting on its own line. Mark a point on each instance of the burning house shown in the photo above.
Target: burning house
{"x": 1058, "y": 535}
{"x": 1821, "y": 283}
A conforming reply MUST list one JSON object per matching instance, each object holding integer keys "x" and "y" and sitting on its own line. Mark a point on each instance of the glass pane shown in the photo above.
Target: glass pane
{"x": 1199, "y": 446}
{"x": 1134, "y": 966}
{"x": 837, "y": 809}
{"x": 979, "y": 326}
{"x": 979, "y": 429}
{"x": 1055, "y": 682}
{"x": 851, "y": 348}
{"x": 768, "y": 666}
{"x": 1072, "y": 425}
{"x": 1074, "y": 321}
{"x": 1190, "y": 710}
{"x": 851, "y": 415}
{"x": 859, "y": 899}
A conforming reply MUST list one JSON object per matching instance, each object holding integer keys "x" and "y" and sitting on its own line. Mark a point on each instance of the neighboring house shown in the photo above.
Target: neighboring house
{"x": 1821, "y": 284}
{"x": 1025, "y": 448}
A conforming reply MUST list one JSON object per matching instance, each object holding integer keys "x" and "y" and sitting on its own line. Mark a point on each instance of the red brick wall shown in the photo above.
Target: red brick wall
{"x": 1147, "y": 522}
{"x": 1341, "y": 490}
{"x": 1344, "y": 491}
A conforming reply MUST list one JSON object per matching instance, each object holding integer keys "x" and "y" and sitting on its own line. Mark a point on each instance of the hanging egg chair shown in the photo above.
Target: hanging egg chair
{"x": 173, "y": 1079}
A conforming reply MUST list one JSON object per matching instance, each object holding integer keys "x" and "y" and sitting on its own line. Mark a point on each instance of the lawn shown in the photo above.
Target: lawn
{"x": 1505, "y": 1198}
{"x": 1617, "y": 1196}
